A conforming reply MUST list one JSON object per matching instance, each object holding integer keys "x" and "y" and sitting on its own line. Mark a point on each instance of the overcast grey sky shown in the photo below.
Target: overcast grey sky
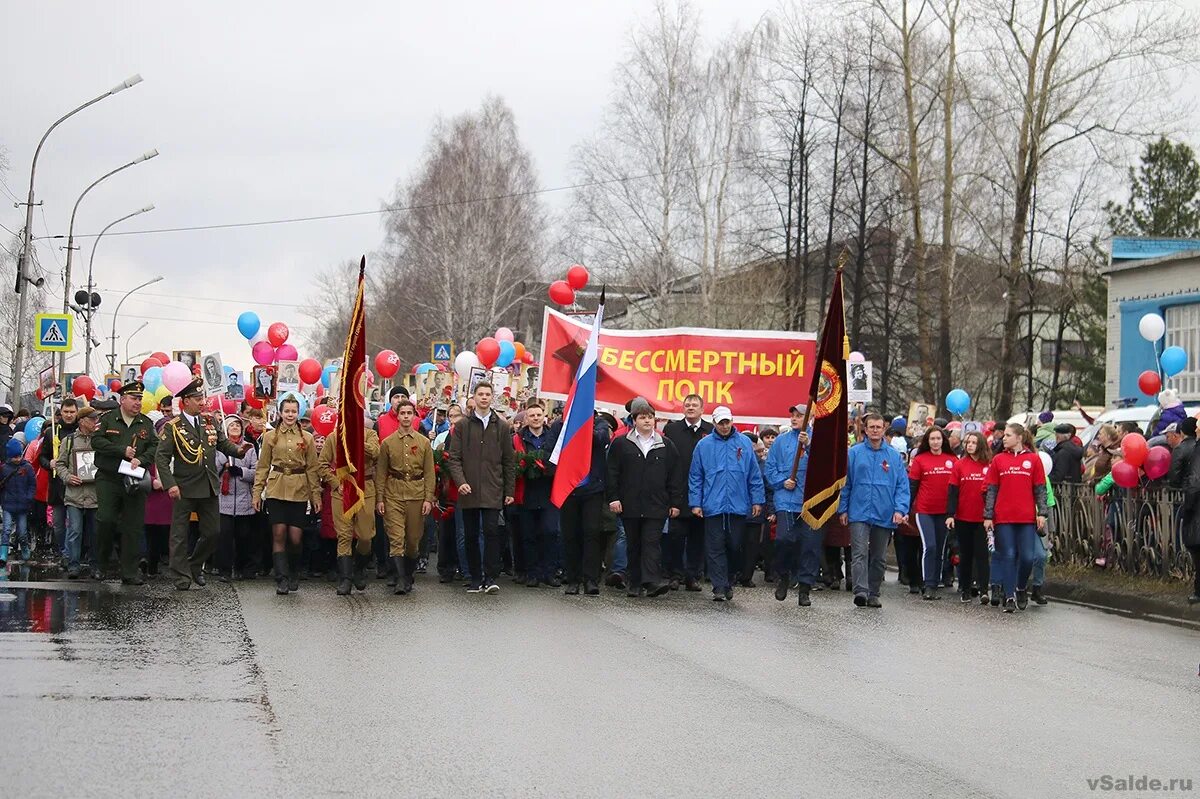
{"x": 271, "y": 110}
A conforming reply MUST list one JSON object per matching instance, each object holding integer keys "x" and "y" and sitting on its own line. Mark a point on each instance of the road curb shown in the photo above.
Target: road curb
{"x": 1137, "y": 606}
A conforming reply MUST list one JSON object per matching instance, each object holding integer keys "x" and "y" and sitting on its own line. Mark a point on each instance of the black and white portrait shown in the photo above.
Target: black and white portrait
{"x": 859, "y": 378}
{"x": 235, "y": 386}
{"x": 214, "y": 374}
{"x": 188, "y": 358}
{"x": 264, "y": 382}
{"x": 287, "y": 377}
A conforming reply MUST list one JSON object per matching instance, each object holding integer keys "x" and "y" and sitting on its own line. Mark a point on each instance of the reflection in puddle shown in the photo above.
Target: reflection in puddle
{"x": 39, "y": 610}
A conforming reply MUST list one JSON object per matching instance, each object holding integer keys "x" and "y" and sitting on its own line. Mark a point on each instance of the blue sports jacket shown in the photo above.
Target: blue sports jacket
{"x": 725, "y": 476}
{"x": 876, "y": 485}
{"x": 779, "y": 469}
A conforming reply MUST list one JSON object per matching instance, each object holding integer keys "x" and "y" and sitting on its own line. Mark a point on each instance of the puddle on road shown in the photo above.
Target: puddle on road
{"x": 85, "y": 605}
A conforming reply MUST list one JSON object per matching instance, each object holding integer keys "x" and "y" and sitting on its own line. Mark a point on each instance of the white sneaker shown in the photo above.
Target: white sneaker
{"x": 474, "y": 589}
{"x": 492, "y": 588}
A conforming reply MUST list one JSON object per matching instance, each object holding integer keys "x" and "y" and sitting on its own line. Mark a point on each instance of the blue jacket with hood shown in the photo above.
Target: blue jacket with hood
{"x": 725, "y": 476}
{"x": 876, "y": 485}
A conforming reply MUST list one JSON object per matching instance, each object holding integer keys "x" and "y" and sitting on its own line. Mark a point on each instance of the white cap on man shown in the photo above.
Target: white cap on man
{"x": 722, "y": 414}
{"x": 799, "y": 408}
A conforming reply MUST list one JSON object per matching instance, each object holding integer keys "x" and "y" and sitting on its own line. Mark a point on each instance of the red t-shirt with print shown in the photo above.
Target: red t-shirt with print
{"x": 971, "y": 478}
{"x": 1015, "y": 476}
{"x": 933, "y": 472}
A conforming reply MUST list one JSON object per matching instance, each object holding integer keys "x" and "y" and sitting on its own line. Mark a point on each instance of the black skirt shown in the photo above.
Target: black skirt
{"x": 293, "y": 514}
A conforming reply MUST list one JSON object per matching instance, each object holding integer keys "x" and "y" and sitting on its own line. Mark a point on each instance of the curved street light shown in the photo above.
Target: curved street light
{"x": 87, "y": 358}
{"x": 112, "y": 356}
{"x": 27, "y": 236}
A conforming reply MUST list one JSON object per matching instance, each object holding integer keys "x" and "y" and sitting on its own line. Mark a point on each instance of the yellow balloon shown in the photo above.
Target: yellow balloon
{"x": 148, "y": 403}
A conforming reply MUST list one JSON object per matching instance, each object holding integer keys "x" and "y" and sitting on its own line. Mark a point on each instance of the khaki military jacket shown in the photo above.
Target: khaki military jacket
{"x": 287, "y": 466}
{"x": 405, "y": 467}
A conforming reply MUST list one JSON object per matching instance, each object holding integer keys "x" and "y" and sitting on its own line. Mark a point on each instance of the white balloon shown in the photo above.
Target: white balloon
{"x": 464, "y": 362}
{"x": 1047, "y": 464}
{"x": 1152, "y": 327}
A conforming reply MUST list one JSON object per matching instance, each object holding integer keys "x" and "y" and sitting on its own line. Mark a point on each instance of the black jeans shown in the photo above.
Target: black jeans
{"x": 583, "y": 536}
{"x": 235, "y": 544}
{"x": 485, "y": 522}
{"x": 447, "y": 548}
{"x": 156, "y": 546}
{"x": 908, "y": 557}
{"x": 683, "y": 549}
{"x": 751, "y": 538}
{"x": 974, "y": 566}
{"x": 643, "y": 546}
{"x": 837, "y": 564}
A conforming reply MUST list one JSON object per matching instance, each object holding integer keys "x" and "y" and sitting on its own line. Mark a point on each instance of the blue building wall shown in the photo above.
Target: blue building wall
{"x": 1137, "y": 354}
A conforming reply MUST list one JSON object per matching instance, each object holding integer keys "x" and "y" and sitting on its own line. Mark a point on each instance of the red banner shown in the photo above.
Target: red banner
{"x": 757, "y": 373}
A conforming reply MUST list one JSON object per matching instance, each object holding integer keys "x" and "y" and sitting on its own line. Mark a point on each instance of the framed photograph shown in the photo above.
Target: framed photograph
{"x": 235, "y": 386}
{"x": 188, "y": 358}
{"x": 213, "y": 372}
{"x": 264, "y": 382}
{"x": 858, "y": 375}
{"x": 287, "y": 377}
{"x": 47, "y": 382}
{"x": 84, "y": 465}
{"x": 478, "y": 374}
{"x": 919, "y": 418}
{"x": 129, "y": 372}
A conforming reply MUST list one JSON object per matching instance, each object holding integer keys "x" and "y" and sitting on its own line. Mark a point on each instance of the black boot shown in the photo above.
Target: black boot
{"x": 360, "y": 571}
{"x": 400, "y": 580}
{"x": 280, "y": 560}
{"x": 410, "y": 568}
{"x": 781, "y": 586}
{"x": 392, "y": 572}
{"x": 344, "y": 564}
{"x": 293, "y": 569}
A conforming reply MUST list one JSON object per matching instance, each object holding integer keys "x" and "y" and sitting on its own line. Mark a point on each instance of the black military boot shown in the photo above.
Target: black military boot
{"x": 410, "y": 568}
{"x": 293, "y": 569}
{"x": 280, "y": 560}
{"x": 360, "y": 571}
{"x": 344, "y": 565}
{"x": 401, "y": 579}
{"x": 393, "y": 573}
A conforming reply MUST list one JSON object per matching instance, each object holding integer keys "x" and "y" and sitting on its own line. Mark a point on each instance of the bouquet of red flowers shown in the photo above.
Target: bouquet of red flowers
{"x": 532, "y": 463}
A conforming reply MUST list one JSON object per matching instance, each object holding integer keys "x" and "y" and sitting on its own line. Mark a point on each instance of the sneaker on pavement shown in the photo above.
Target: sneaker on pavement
{"x": 860, "y": 600}
{"x": 1010, "y": 605}
{"x": 492, "y": 588}
{"x": 996, "y": 599}
{"x": 1022, "y": 600}
{"x": 873, "y": 602}
{"x": 474, "y": 589}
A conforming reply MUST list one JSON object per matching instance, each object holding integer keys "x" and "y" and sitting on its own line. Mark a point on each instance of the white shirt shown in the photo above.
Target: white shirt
{"x": 484, "y": 419}
{"x": 643, "y": 443}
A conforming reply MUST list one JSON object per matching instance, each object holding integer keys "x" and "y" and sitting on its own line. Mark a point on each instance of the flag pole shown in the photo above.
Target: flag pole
{"x": 816, "y": 382}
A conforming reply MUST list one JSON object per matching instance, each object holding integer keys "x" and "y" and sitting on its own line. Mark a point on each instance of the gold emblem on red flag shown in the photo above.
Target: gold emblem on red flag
{"x": 829, "y": 390}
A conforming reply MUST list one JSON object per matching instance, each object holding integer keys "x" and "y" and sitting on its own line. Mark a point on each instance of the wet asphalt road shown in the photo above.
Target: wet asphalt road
{"x": 237, "y": 692}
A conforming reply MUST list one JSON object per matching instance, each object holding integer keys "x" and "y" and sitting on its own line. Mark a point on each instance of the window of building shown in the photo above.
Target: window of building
{"x": 1071, "y": 350}
{"x": 1183, "y": 330}
{"x": 987, "y": 352}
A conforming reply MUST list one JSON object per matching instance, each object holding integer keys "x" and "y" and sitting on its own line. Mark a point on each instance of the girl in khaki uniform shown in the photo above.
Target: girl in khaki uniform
{"x": 287, "y": 476}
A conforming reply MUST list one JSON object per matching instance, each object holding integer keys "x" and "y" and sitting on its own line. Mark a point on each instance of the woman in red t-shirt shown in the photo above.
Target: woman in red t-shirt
{"x": 1015, "y": 507}
{"x": 929, "y": 479}
{"x": 965, "y": 511}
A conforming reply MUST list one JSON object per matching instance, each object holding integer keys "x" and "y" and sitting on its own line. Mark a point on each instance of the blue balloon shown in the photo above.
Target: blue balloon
{"x": 33, "y": 428}
{"x": 248, "y": 324}
{"x": 426, "y": 367}
{"x": 507, "y": 352}
{"x": 227, "y": 369}
{"x": 298, "y": 397}
{"x": 153, "y": 378}
{"x": 958, "y": 402}
{"x": 1173, "y": 360}
{"x": 327, "y": 375}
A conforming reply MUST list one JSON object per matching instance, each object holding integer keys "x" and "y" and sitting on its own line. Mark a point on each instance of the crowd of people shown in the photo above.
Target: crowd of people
{"x": 666, "y": 506}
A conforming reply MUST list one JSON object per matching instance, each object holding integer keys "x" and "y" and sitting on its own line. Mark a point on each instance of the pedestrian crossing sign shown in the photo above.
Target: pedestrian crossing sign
{"x": 54, "y": 332}
{"x": 441, "y": 351}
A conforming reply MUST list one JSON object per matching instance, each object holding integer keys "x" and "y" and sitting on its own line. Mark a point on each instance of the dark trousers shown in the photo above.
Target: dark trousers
{"x": 208, "y": 521}
{"x": 580, "y": 519}
{"x": 447, "y": 548}
{"x": 908, "y": 556}
{"x": 723, "y": 543}
{"x": 380, "y": 544}
{"x": 539, "y": 531}
{"x": 236, "y": 544}
{"x": 837, "y": 564}
{"x": 485, "y": 522}
{"x": 974, "y": 565}
{"x": 123, "y": 514}
{"x": 516, "y": 541}
{"x": 157, "y": 549}
{"x": 683, "y": 548}
{"x": 932, "y": 527}
{"x": 643, "y": 546}
{"x": 1195, "y": 552}
{"x": 751, "y": 543}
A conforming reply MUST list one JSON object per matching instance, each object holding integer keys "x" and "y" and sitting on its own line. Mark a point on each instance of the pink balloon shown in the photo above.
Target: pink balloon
{"x": 175, "y": 376}
{"x": 263, "y": 353}
{"x": 1125, "y": 474}
{"x": 504, "y": 334}
{"x": 287, "y": 352}
{"x": 1158, "y": 462}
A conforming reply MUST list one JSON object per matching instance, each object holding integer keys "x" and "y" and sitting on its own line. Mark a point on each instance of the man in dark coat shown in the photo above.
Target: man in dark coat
{"x": 645, "y": 488}
{"x": 1181, "y": 438}
{"x": 52, "y": 434}
{"x": 539, "y": 518}
{"x": 482, "y": 465}
{"x": 683, "y": 548}
{"x": 1066, "y": 457}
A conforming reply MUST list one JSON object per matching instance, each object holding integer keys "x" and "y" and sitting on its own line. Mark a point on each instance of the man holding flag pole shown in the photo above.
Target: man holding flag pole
{"x": 578, "y": 488}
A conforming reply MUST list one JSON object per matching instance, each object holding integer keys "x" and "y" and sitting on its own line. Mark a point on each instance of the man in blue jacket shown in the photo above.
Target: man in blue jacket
{"x": 725, "y": 485}
{"x": 874, "y": 502}
{"x": 797, "y": 546}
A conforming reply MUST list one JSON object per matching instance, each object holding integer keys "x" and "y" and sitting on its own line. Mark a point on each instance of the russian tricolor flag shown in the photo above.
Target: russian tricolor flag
{"x": 573, "y": 451}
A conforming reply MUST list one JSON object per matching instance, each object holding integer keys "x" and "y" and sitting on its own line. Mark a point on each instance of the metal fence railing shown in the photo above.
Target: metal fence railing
{"x": 1135, "y": 530}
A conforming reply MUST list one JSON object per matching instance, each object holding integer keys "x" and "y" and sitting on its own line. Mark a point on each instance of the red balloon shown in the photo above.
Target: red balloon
{"x": 150, "y": 363}
{"x": 253, "y": 401}
{"x": 213, "y": 404}
{"x": 1149, "y": 382}
{"x": 577, "y": 276}
{"x": 1158, "y": 462}
{"x": 325, "y": 419}
{"x": 528, "y": 357}
{"x": 162, "y": 358}
{"x": 1133, "y": 448}
{"x": 277, "y": 334}
{"x": 560, "y": 292}
{"x": 196, "y": 369}
{"x": 387, "y": 363}
{"x": 1125, "y": 474}
{"x": 83, "y": 386}
{"x": 114, "y": 384}
{"x": 229, "y": 406}
{"x": 487, "y": 351}
{"x": 320, "y": 390}
{"x": 310, "y": 371}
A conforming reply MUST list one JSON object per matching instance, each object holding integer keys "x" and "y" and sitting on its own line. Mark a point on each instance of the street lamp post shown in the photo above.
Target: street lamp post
{"x": 91, "y": 309}
{"x": 112, "y": 356}
{"x": 129, "y": 338}
{"x": 27, "y": 239}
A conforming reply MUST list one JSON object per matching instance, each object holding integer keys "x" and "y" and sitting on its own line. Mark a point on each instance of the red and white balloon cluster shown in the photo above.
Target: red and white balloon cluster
{"x": 563, "y": 291}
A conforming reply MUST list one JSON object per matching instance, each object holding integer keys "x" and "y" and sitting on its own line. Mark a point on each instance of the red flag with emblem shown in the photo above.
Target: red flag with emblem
{"x": 349, "y": 460}
{"x": 828, "y": 408}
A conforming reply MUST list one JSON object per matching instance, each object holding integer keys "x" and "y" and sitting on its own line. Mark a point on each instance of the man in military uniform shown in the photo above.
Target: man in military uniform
{"x": 124, "y": 434}
{"x": 362, "y": 524}
{"x": 187, "y": 468}
{"x": 406, "y": 482}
